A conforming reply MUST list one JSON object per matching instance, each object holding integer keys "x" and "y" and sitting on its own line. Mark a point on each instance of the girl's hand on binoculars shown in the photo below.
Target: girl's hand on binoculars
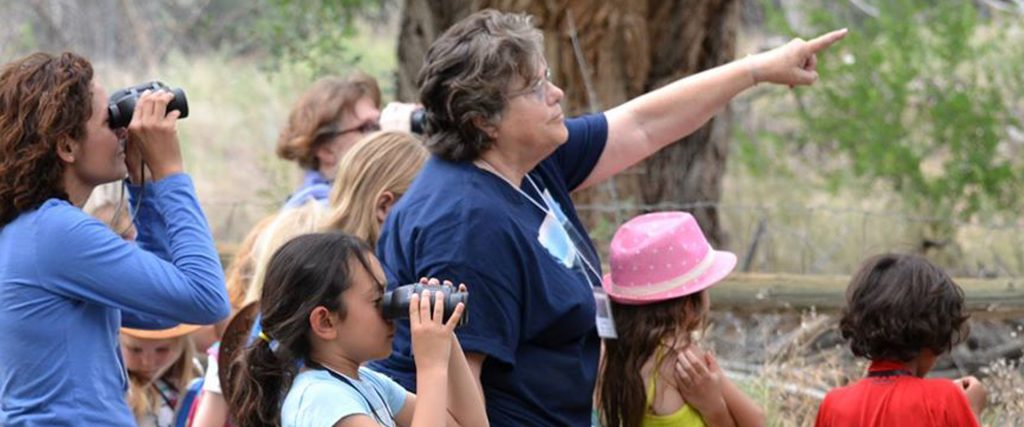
{"x": 431, "y": 339}
{"x": 154, "y": 132}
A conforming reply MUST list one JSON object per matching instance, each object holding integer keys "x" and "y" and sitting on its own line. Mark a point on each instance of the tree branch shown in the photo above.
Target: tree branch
{"x": 868, "y": 9}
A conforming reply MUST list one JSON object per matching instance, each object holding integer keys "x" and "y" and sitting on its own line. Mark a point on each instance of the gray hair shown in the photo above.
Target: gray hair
{"x": 467, "y": 74}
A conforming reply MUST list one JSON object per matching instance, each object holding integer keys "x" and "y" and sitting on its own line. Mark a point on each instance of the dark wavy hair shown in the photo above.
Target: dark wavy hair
{"x": 622, "y": 398}
{"x": 309, "y": 271}
{"x": 898, "y": 305}
{"x": 467, "y": 74}
{"x": 44, "y": 99}
{"x": 314, "y": 117}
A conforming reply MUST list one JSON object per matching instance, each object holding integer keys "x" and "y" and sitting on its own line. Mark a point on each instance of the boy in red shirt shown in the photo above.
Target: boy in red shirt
{"x": 901, "y": 312}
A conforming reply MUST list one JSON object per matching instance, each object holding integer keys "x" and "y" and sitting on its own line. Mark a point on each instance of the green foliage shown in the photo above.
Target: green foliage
{"x": 315, "y": 34}
{"x": 921, "y": 97}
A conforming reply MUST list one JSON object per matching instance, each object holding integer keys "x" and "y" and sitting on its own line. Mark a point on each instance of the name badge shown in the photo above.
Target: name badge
{"x": 605, "y": 321}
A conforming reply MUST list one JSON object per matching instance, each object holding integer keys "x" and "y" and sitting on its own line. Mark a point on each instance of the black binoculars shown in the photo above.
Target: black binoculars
{"x": 395, "y": 304}
{"x": 122, "y": 102}
{"x": 418, "y": 121}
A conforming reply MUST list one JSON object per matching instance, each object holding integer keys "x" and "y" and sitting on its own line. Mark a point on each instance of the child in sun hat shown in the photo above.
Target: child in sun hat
{"x": 655, "y": 373}
{"x": 161, "y": 364}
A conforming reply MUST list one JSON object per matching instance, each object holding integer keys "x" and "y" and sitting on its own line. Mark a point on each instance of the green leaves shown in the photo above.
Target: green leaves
{"x": 316, "y": 34}
{"x": 922, "y": 97}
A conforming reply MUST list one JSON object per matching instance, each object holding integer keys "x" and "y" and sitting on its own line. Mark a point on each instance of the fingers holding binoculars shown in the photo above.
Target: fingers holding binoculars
{"x": 460, "y": 308}
{"x": 153, "y": 131}
{"x": 419, "y": 308}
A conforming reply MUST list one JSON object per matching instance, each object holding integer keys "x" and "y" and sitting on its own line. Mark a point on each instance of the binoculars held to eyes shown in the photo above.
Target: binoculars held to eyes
{"x": 395, "y": 303}
{"x": 122, "y": 102}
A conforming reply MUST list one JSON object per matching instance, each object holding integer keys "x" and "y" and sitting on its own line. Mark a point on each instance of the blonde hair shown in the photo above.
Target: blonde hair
{"x": 142, "y": 396}
{"x": 116, "y": 216}
{"x": 287, "y": 225}
{"x": 382, "y": 161}
{"x": 241, "y": 272}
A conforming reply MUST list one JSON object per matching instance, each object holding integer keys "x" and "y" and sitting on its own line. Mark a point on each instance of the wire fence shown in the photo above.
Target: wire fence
{"x": 832, "y": 240}
{"x": 778, "y": 238}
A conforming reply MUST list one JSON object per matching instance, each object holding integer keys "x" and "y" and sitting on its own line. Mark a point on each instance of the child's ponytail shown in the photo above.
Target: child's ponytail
{"x": 260, "y": 379}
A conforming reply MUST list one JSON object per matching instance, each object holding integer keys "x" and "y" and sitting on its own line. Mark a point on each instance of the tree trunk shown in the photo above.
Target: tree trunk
{"x": 626, "y": 48}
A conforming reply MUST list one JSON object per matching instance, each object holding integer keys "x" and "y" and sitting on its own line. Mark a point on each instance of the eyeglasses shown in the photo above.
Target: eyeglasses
{"x": 539, "y": 90}
{"x": 335, "y": 131}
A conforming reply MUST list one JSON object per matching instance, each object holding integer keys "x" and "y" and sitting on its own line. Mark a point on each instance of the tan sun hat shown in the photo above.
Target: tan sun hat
{"x": 161, "y": 334}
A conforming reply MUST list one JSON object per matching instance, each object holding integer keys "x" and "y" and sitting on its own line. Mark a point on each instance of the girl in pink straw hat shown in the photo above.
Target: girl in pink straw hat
{"x": 654, "y": 373}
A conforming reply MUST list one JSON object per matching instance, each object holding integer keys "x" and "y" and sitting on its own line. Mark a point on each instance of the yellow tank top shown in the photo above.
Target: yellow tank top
{"x": 686, "y": 416}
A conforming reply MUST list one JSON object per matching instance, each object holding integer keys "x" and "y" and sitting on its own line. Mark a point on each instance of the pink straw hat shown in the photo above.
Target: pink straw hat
{"x": 661, "y": 256}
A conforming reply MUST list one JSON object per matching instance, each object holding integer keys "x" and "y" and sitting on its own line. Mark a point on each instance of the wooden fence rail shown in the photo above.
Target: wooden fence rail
{"x": 757, "y": 292}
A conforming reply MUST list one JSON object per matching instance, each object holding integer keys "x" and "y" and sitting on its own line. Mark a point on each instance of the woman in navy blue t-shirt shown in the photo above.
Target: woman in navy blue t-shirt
{"x": 491, "y": 208}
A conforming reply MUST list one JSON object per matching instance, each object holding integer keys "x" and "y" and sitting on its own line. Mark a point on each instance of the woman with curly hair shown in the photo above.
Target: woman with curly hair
{"x": 68, "y": 283}
{"x": 901, "y": 313}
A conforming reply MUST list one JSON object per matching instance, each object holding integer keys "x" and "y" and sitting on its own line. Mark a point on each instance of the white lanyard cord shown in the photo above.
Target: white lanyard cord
{"x": 482, "y": 164}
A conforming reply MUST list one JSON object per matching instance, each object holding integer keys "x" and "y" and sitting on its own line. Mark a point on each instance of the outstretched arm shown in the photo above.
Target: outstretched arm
{"x": 644, "y": 125}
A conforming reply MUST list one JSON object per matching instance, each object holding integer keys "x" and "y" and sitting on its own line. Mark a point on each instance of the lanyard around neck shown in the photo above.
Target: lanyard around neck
{"x": 314, "y": 365}
{"x": 547, "y": 209}
{"x": 482, "y": 164}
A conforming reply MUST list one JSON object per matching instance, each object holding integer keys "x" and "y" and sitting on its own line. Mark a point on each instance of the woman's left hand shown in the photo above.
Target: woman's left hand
{"x": 794, "y": 63}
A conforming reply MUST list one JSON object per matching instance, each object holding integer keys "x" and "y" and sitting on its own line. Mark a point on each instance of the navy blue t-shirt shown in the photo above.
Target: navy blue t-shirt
{"x": 531, "y": 307}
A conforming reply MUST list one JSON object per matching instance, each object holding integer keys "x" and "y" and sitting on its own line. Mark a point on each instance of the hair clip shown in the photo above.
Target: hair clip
{"x": 274, "y": 344}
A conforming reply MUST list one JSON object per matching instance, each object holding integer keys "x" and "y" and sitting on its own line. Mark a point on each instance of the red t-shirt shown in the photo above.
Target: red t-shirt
{"x": 891, "y": 396}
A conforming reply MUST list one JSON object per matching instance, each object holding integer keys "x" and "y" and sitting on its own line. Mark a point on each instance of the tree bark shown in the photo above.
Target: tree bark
{"x": 627, "y": 48}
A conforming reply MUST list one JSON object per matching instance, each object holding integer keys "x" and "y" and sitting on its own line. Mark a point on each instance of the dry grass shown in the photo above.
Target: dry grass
{"x": 786, "y": 362}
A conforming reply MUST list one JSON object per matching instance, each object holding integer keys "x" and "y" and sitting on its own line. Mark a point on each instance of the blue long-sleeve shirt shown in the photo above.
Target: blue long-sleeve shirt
{"x": 65, "y": 279}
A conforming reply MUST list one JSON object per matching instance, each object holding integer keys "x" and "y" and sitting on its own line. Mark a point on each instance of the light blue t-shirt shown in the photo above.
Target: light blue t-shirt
{"x": 314, "y": 187}
{"x": 317, "y": 399}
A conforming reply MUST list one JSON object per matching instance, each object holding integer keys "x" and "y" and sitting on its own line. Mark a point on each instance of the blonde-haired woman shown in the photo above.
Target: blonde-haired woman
{"x": 371, "y": 178}
{"x": 160, "y": 365}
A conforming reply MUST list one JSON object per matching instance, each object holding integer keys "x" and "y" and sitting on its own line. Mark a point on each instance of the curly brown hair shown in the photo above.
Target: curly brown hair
{"x": 898, "y": 305}
{"x": 44, "y": 99}
{"x": 319, "y": 109}
{"x": 621, "y": 397}
{"x": 467, "y": 74}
